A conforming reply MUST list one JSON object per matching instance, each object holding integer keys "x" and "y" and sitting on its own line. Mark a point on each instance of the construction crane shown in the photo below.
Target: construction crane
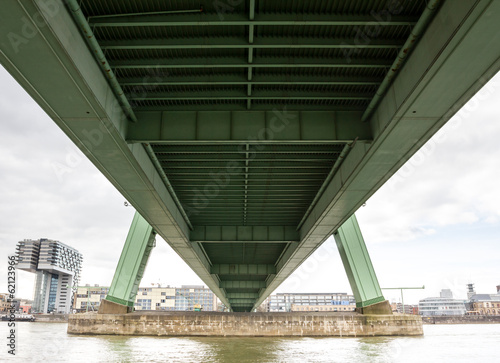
{"x": 196, "y": 306}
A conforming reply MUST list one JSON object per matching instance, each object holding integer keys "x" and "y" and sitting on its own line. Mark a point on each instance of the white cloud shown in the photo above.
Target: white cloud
{"x": 453, "y": 180}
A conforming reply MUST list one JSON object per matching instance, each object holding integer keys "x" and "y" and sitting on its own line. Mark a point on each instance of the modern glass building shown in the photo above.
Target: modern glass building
{"x": 443, "y": 305}
{"x": 57, "y": 267}
{"x": 187, "y": 296}
{"x": 310, "y": 302}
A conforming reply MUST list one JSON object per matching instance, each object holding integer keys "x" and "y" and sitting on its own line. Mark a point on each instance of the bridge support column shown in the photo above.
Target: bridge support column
{"x": 359, "y": 269}
{"x": 128, "y": 274}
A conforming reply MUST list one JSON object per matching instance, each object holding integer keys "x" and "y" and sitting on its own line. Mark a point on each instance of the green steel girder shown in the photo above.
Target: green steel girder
{"x": 239, "y": 302}
{"x": 133, "y": 260}
{"x": 231, "y": 79}
{"x": 242, "y": 269}
{"x": 248, "y": 127}
{"x": 203, "y": 19}
{"x": 427, "y": 91}
{"x": 242, "y": 284}
{"x": 287, "y": 157}
{"x": 264, "y": 178}
{"x": 239, "y": 62}
{"x": 253, "y": 234}
{"x": 240, "y": 105}
{"x": 241, "y": 95}
{"x": 357, "y": 264}
{"x": 242, "y": 295}
{"x": 285, "y": 150}
{"x": 241, "y": 43}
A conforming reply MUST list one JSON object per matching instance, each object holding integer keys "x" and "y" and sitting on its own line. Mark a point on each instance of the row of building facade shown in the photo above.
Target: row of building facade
{"x": 285, "y": 302}
{"x": 58, "y": 266}
{"x": 446, "y": 305}
{"x": 184, "y": 298}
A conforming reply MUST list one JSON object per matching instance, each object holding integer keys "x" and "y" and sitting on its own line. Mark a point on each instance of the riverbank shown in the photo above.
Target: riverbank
{"x": 51, "y": 318}
{"x": 467, "y": 319}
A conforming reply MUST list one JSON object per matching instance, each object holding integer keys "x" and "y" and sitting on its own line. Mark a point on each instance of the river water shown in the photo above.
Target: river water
{"x": 45, "y": 342}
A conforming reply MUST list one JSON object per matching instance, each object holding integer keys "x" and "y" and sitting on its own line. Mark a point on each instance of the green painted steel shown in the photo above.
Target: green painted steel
{"x": 242, "y": 295}
{"x": 244, "y": 234}
{"x": 241, "y": 20}
{"x": 357, "y": 264}
{"x": 280, "y": 126}
{"x": 76, "y": 11}
{"x": 133, "y": 260}
{"x": 250, "y": 285}
{"x": 238, "y": 43}
{"x": 243, "y": 80}
{"x": 243, "y": 269}
{"x": 239, "y": 62}
{"x": 204, "y": 158}
{"x": 248, "y": 302}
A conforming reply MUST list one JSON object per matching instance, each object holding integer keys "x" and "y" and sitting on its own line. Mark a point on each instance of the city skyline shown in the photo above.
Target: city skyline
{"x": 435, "y": 223}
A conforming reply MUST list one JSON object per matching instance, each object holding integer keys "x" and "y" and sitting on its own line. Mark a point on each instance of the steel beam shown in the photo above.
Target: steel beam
{"x": 239, "y": 62}
{"x": 70, "y": 87}
{"x": 235, "y": 234}
{"x": 278, "y": 126}
{"x": 242, "y": 269}
{"x": 242, "y": 43}
{"x": 133, "y": 260}
{"x": 242, "y": 295}
{"x": 357, "y": 264}
{"x": 242, "y": 284}
{"x": 451, "y": 62}
{"x": 240, "y": 105}
{"x": 241, "y": 95}
{"x": 204, "y": 19}
{"x": 229, "y": 79}
{"x": 237, "y": 302}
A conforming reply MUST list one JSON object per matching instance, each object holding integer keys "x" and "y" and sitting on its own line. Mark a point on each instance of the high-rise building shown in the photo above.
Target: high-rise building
{"x": 57, "y": 267}
{"x": 471, "y": 291}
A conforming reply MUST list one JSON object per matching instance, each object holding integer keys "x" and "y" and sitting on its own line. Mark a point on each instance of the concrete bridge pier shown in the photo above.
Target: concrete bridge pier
{"x": 373, "y": 316}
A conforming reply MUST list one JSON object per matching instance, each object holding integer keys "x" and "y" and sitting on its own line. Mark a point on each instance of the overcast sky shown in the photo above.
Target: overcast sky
{"x": 435, "y": 223}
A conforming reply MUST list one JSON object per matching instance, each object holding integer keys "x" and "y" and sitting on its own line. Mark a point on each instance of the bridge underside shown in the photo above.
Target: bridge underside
{"x": 247, "y": 133}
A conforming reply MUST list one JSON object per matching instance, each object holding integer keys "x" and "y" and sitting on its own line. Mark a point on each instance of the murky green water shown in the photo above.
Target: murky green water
{"x": 42, "y": 342}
